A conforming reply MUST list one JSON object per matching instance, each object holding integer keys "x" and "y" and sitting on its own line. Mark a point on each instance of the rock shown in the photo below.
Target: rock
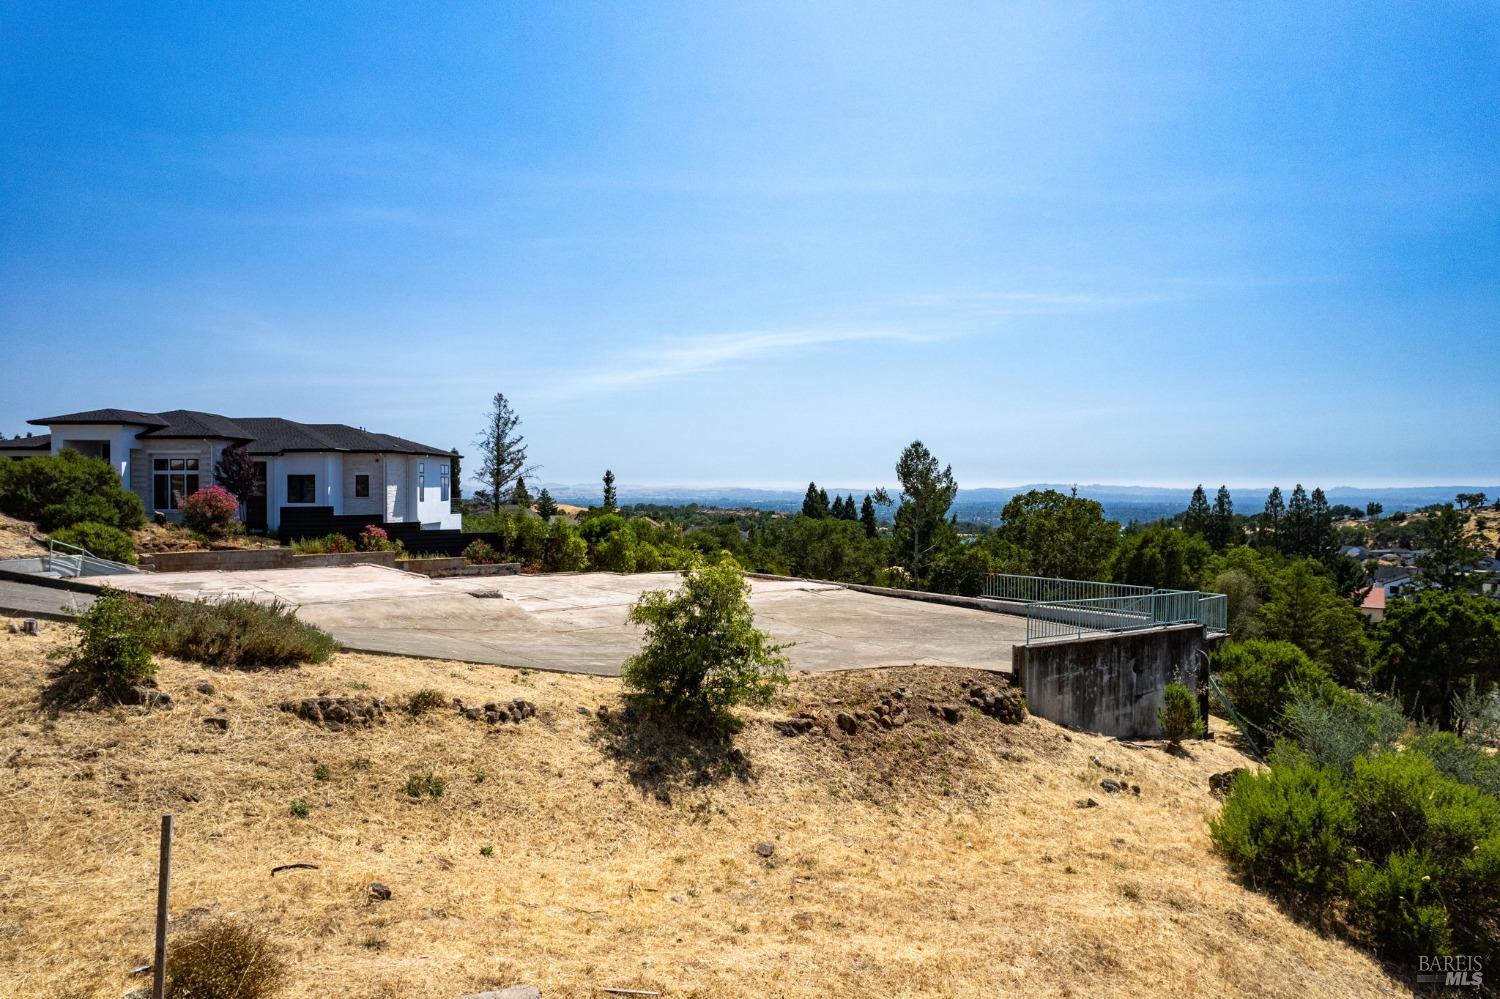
{"x": 951, "y": 714}
{"x": 764, "y": 849}
{"x": 846, "y": 723}
{"x": 583, "y": 710}
{"x": 736, "y": 757}
{"x": 793, "y": 726}
{"x": 885, "y": 722}
{"x": 603, "y": 712}
{"x": 204, "y": 687}
{"x": 1220, "y": 783}
{"x": 513, "y": 992}
{"x": 473, "y": 714}
{"x": 220, "y": 722}
{"x": 379, "y": 892}
{"x": 333, "y": 726}
{"x": 1111, "y": 785}
{"x": 1086, "y": 803}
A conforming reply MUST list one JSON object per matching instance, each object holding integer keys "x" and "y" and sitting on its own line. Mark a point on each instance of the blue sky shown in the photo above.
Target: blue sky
{"x": 757, "y": 244}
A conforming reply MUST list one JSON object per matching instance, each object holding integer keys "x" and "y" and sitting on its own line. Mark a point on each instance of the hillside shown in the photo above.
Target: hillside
{"x": 931, "y": 859}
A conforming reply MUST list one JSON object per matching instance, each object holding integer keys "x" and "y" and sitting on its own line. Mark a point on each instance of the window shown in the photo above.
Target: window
{"x": 301, "y": 489}
{"x": 443, "y": 482}
{"x": 421, "y": 481}
{"x": 361, "y": 485}
{"x": 93, "y": 449}
{"x": 173, "y": 480}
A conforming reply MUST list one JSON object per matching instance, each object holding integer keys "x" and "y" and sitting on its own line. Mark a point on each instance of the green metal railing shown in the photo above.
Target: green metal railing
{"x": 1066, "y": 608}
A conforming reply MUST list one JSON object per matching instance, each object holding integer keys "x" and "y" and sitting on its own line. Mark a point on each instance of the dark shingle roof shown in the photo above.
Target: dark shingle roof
{"x": 36, "y": 442}
{"x": 260, "y": 434}
{"x": 131, "y": 416}
{"x": 190, "y": 423}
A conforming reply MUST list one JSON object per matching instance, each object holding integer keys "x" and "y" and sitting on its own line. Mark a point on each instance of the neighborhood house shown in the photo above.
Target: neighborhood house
{"x": 328, "y": 469}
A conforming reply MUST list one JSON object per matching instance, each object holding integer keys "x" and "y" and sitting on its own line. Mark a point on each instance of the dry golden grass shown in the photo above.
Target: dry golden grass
{"x": 15, "y": 537}
{"x": 931, "y": 860}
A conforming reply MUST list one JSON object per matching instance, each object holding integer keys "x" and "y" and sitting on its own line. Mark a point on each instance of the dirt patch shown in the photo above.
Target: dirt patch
{"x": 155, "y": 538}
{"x": 16, "y": 537}
{"x": 541, "y": 852}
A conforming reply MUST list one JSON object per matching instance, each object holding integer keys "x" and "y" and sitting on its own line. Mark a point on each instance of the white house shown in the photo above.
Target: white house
{"x": 321, "y": 468}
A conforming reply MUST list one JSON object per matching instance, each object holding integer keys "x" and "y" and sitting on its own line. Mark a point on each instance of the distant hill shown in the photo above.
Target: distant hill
{"x": 982, "y": 505}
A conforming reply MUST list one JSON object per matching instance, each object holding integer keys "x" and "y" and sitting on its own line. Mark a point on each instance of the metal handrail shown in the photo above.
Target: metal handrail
{"x": 1154, "y": 609}
{"x": 1034, "y": 589}
{"x": 75, "y": 560}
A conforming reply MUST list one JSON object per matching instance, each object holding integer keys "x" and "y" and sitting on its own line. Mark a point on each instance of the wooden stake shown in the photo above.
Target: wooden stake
{"x": 163, "y": 891}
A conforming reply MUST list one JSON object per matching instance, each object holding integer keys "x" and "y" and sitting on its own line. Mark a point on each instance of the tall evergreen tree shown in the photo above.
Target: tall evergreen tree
{"x": 1451, "y": 551}
{"x": 810, "y": 505}
{"x": 1272, "y": 519}
{"x": 521, "y": 496}
{"x": 1297, "y": 526}
{"x": 1322, "y": 539}
{"x": 545, "y": 507}
{"x": 1196, "y": 520}
{"x": 502, "y": 450}
{"x": 1221, "y": 521}
{"x": 823, "y": 504}
{"x": 837, "y": 510}
{"x": 609, "y": 490}
{"x": 867, "y": 518}
{"x": 922, "y": 519}
{"x": 851, "y": 512}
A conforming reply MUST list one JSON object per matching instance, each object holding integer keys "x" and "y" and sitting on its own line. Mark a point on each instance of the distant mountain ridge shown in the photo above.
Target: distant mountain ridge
{"x": 1120, "y": 502}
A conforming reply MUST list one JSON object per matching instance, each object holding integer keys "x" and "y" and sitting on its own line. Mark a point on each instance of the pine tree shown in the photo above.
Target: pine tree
{"x": 521, "y": 496}
{"x": 851, "y": 512}
{"x": 1274, "y": 514}
{"x": 502, "y": 450}
{"x": 825, "y": 509}
{"x": 609, "y": 490}
{"x": 1221, "y": 522}
{"x": 867, "y": 518}
{"x": 1196, "y": 520}
{"x": 1295, "y": 537}
{"x": 545, "y": 507}
{"x": 810, "y": 506}
{"x": 1322, "y": 539}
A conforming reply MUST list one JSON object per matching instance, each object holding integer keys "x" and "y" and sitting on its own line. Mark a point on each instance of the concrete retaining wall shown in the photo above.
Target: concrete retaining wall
{"x": 431, "y": 566}
{"x": 1110, "y": 684}
{"x": 258, "y": 558}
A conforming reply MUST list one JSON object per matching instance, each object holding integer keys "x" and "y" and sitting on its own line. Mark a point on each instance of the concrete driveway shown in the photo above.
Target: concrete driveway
{"x": 577, "y": 623}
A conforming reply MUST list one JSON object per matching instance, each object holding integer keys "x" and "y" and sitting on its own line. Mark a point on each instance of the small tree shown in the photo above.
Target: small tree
{"x": 1373, "y": 509}
{"x": 1178, "y": 715}
{"x": 545, "y": 507}
{"x": 609, "y": 490}
{"x": 113, "y": 648}
{"x": 867, "y": 517}
{"x": 702, "y": 654}
{"x": 235, "y": 471}
{"x": 1196, "y": 519}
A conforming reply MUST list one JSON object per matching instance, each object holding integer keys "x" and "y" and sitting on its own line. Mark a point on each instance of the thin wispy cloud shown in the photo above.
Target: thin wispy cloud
{"x": 699, "y": 355}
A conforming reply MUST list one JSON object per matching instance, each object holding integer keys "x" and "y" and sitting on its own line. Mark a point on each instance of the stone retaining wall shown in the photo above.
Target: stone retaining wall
{"x": 258, "y": 558}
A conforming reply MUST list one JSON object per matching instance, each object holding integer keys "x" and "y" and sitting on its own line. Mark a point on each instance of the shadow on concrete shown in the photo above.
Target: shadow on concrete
{"x": 661, "y": 758}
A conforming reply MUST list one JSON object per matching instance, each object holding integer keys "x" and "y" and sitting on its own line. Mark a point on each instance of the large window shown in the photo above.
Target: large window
{"x": 173, "y": 480}
{"x": 301, "y": 488}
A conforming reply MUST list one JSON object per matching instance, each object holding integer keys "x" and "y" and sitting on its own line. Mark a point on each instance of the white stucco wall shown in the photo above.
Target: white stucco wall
{"x": 121, "y": 440}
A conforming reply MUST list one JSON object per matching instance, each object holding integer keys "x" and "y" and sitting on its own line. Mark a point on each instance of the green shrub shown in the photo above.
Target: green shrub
{"x": 616, "y": 553}
{"x": 1178, "y": 715}
{"x": 1289, "y": 829}
{"x": 564, "y": 549}
{"x": 68, "y": 488}
{"x": 329, "y": 544}
{"x": 99, "y": 540}
{"x": 113, "y": 647}
{"x": 224, "y": 960}
{"x": 480, "y": 552}
{"x": 1259, "y": 676}
{"x": 1460, "y": 761}
{"x": 1397, "y": 903}
{"x": 1333, "y": 725}
{"x": 422, "y": 701}
{"x": 300, "y": 809}
{"x": 237, "y": 633}
{"x": 702, "y": 654}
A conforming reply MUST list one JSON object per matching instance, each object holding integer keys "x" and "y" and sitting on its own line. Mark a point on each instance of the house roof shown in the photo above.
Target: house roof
{"x": 1389, "y": 573}
{"x": 258, "y": 434}
{"x": 191, "y": 423}
{"x": 36, "y": 442}
{"x": 127, "y": 416}
{"x": 1375, "y": 599}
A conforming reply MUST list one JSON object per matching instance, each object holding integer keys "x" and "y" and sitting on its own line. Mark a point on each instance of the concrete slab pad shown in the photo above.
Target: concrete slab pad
{"x": 577, "y": 623}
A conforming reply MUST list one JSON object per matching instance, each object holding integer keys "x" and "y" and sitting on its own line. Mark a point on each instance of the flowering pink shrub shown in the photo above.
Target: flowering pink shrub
{"x": 375, "y": 539}
{"x": 211, "y": 511}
